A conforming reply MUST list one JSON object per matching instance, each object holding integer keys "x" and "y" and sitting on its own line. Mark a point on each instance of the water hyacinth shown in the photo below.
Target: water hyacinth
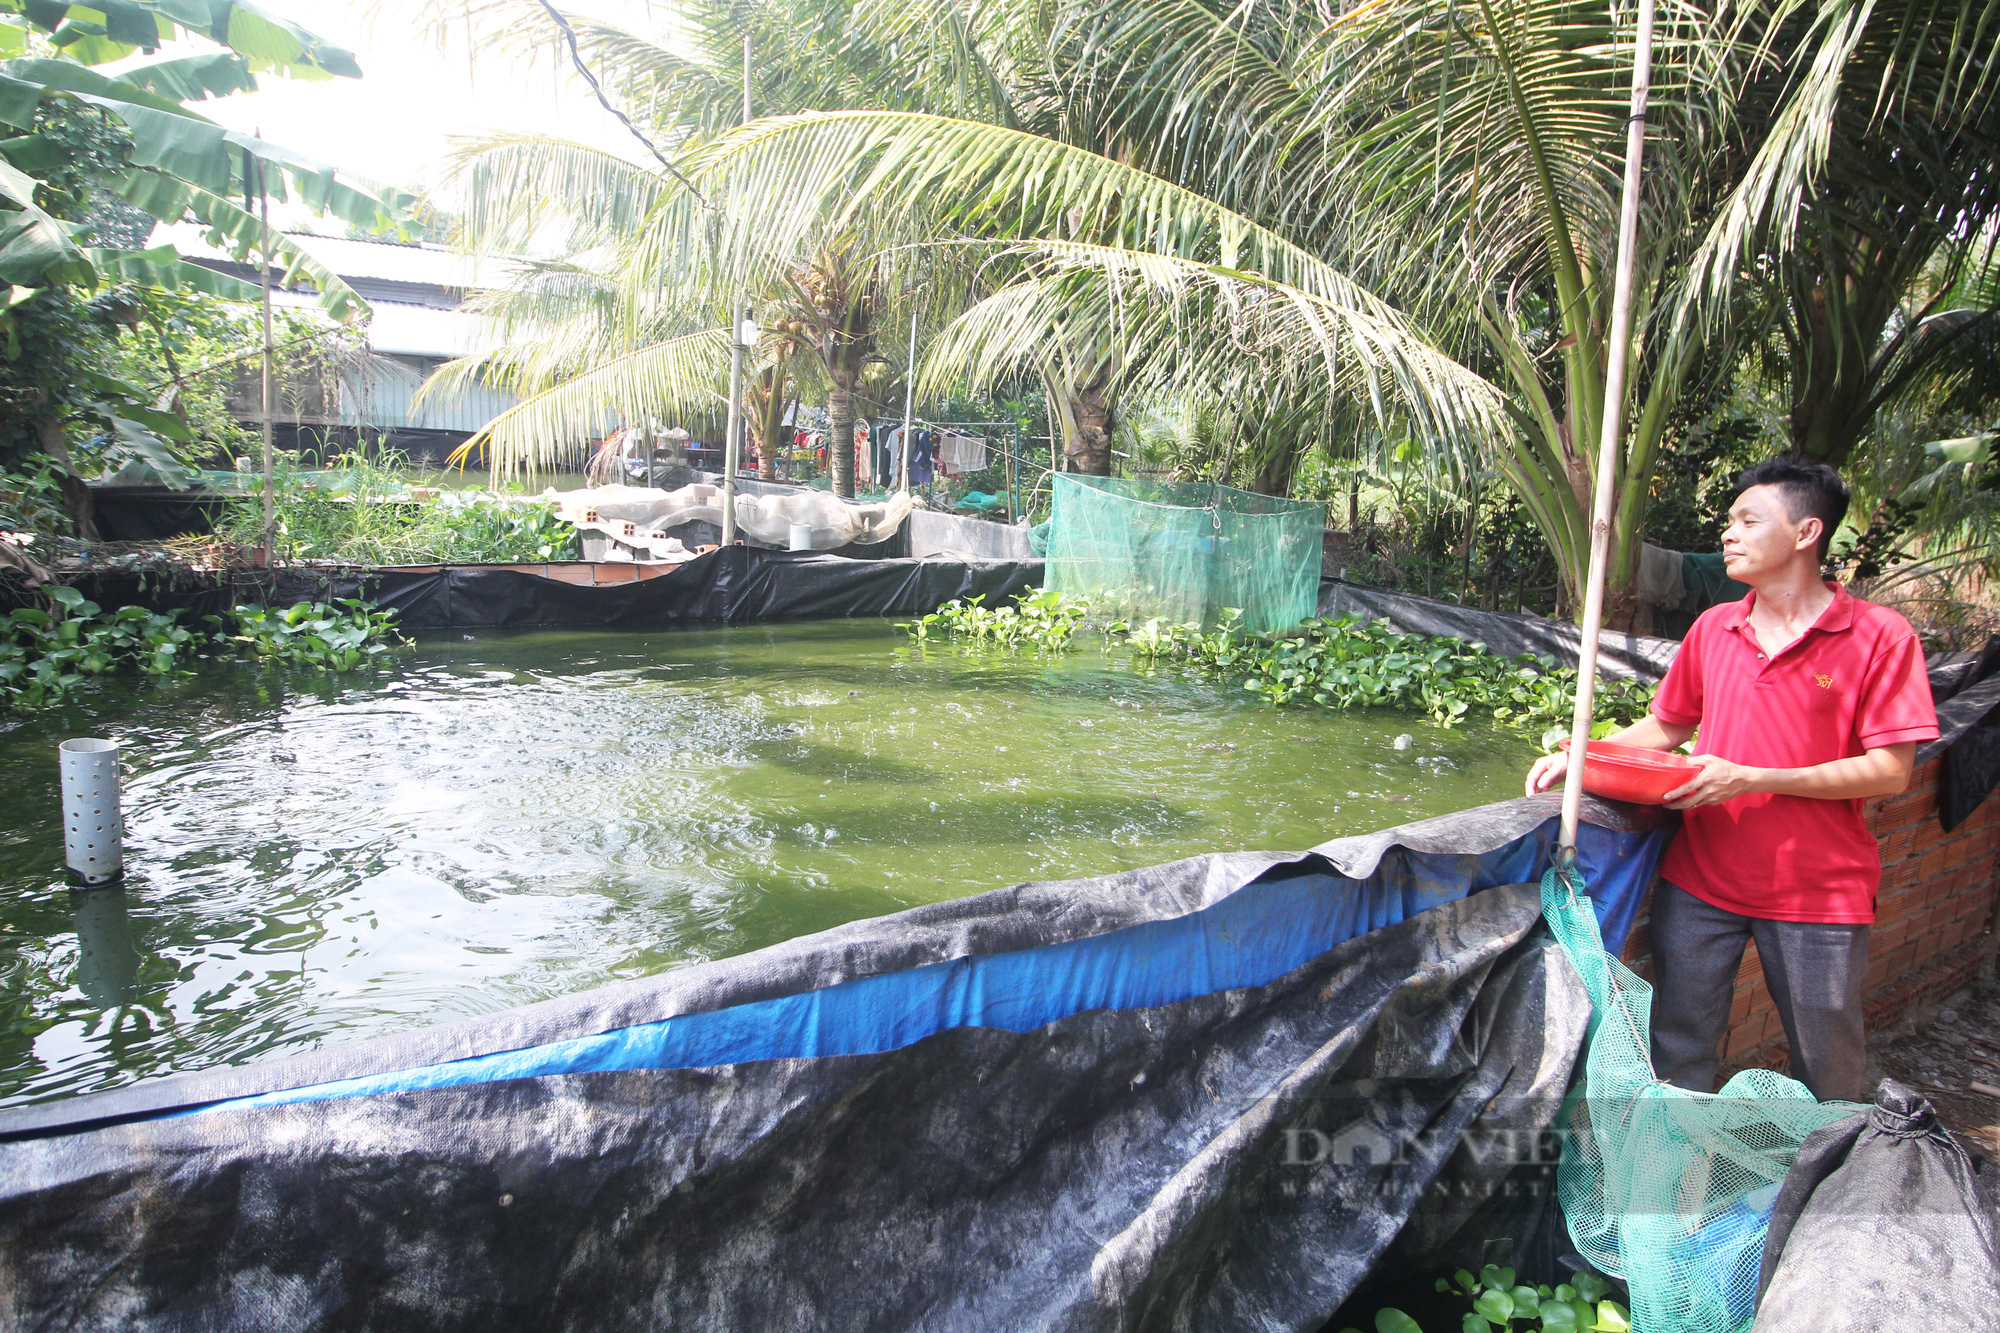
{"x": 1346, "y": 662}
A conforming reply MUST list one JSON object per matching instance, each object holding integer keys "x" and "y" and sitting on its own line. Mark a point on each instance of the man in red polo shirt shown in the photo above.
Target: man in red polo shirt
{"x": 1807, "y": 701}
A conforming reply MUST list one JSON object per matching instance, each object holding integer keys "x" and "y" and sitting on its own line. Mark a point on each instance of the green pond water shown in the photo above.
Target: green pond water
{"x": 503, "y": 819}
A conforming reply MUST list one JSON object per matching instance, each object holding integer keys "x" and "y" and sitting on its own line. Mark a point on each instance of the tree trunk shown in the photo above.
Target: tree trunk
{"x": 77, "y": 496}
{"x": 840, "y": 429}
{"x": 1090, "y": 453}
{"x": 764, "y": 419}
{"x": 1275, "y": 470}
{"x": 1624, "y": 612}
{"x": 772, "y": 439}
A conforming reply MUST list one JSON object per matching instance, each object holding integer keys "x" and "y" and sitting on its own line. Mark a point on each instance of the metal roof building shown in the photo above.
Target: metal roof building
{"x": 416, "y": 292}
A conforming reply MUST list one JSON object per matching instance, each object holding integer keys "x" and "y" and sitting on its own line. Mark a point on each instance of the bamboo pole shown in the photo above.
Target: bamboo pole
{"x": 740, "y": 332}
{"x": 1617, "y": 355}
{"x": 264, "y": 387}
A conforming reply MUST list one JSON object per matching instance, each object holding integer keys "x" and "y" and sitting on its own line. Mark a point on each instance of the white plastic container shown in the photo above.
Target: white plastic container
{"x": 802, "y": 536}
{"x": 93, "y": 822}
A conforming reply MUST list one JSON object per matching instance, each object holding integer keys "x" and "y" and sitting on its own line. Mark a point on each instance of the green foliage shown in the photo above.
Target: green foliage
{"x": 70, "y": 149}
{"x": 1343, "y": 663}
{"x": 1353, "y": 663}
{"x": 1042, "y": 620}
{"x": 189, "y": 351}
{"x": 341, "y": 636}
{"x": 45, "y": 652}
{"x": 59, "y": 388}
{"x": 31, "y": 501}
{"x": 1499, "y": 1302}
{"x": 361, "y": 512}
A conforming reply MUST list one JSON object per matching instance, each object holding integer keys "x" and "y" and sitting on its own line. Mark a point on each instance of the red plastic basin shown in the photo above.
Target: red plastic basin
{"x": 1632, "y": 772}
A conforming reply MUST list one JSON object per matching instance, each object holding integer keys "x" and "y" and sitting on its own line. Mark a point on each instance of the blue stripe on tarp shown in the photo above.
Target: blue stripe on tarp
{"x": 1250, "y": 938}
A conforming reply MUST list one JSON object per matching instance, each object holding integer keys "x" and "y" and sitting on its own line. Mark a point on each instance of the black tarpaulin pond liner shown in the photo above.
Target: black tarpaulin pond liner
{"x": 1200, "y": 1095}
{"x": 730, "y": 586}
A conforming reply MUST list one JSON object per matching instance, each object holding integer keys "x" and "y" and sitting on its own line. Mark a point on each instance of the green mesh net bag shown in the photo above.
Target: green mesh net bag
{"x": 1183, "y": 551}
{"x": 1669, "y": 1189}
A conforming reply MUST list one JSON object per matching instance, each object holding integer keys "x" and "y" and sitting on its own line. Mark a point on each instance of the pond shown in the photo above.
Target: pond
{"x": 504, "y": 819}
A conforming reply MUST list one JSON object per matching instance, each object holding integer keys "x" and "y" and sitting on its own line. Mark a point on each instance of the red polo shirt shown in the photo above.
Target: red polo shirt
{"x": 1852, "y": 683}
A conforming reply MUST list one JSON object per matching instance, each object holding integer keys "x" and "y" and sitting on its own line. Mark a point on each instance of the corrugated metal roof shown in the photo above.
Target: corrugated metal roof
{"x": 423, "y": 326}
{"x": 391, "y": 261}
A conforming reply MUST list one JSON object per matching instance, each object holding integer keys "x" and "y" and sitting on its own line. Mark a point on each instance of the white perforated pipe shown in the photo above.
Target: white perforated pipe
{"x": 93, "y": 823}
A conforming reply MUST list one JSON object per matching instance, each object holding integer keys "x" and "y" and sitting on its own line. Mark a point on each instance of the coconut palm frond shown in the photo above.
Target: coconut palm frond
{"x": 675, "y": 377}
{"x": 786, "y": 179}
{"x": 1170, "y": 323}
{"x": 509, "y": 191}
{"x": 1881, "y": 100}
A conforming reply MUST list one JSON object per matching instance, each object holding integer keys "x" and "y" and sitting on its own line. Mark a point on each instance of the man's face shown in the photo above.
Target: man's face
{"x": 1762, "y": 538}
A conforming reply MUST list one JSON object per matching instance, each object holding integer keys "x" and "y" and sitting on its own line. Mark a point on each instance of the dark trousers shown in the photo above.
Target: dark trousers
{"x": 1814, "y": 972}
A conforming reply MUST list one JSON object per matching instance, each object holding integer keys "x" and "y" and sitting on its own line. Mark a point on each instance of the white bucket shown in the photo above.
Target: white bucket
{"x": 802, "y": 536}
{"x": 93, "y": 823}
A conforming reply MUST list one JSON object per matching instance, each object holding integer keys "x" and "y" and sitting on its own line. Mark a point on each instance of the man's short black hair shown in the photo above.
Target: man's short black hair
{"x": 1810, "y": 490}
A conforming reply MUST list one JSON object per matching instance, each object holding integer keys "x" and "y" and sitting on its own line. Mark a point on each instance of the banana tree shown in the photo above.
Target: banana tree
{"x": 131, "y": 133}
{"x": 181, "y": 163}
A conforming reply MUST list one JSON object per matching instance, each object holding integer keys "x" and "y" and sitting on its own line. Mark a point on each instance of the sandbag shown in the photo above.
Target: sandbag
{"x": 825, "y": 521}
{"x": 1884, "y": 1222}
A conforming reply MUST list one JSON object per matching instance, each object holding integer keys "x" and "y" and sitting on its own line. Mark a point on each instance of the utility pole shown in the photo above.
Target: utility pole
{"x": 1617, "y": 352}
{"x": 909, "y": 401}
{"x": 740, "y": 333}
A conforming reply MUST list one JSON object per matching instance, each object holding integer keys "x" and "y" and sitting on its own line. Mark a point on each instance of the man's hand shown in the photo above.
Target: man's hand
{"x": 1718, "y": 781}
{"x": 1547, "y": 772}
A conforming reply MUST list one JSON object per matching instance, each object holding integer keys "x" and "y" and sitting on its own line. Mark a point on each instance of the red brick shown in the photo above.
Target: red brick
{"x": 616, "y": 573}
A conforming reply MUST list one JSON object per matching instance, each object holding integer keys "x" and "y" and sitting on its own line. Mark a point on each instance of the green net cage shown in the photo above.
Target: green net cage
{"x": 1668, "y": 1189}
{"x": 1182, "y": 551}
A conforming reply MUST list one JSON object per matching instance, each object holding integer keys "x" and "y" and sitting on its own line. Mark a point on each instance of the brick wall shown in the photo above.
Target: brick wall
{"x": 585, "y": 572}
{"x": 1934, "y": 921}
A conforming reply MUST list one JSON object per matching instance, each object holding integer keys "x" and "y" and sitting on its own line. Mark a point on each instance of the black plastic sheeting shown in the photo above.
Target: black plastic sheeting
{"x": 155, "y": 513}
{"x": 1968, "y": 709}
{"x": 1620, "y": 656}
{"x": 1884, "y": 1222}
{"x": 1235, "y": 1158}
{"x": 732, "y": 585}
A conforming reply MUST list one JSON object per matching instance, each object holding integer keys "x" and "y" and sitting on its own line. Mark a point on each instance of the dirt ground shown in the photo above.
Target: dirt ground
{"x": 1943, "y": 1052}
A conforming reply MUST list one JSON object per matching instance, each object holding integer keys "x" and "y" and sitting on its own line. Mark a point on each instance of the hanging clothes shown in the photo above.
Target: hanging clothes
{"x": 964, "y": 453}
{"x": 892, "y": 452}
{"x": 864, "y": 470}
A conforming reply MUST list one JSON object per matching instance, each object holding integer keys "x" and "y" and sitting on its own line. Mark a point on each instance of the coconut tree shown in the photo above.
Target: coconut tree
{"x": 1463, "y": 160}
{"x": 1860, "y": 230}
{"x": 818, "y": 299}
{"x": 831, "y": 304}
{"x": 996, "y": 64}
